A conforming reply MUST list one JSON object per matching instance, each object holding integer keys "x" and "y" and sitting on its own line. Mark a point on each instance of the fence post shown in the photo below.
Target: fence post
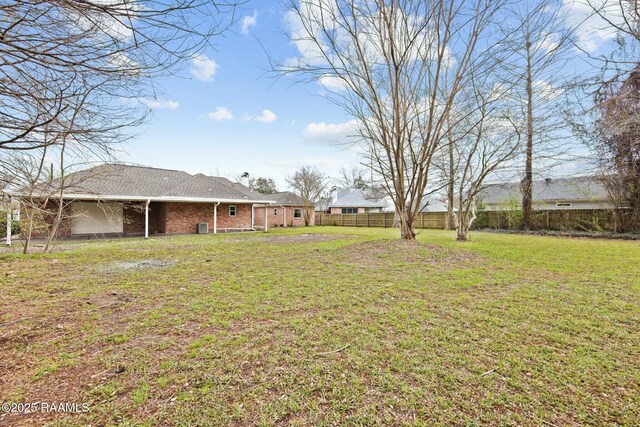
{"x": 548, "y": 223}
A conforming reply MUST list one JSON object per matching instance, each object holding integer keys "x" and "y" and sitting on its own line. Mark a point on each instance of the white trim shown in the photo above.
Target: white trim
{"x": 215, "y": 218}
{"x": 146, "y": 219}
{"x": 9, "y": 225}
{"x": 80, "y": 196}
{"x": 235, "y": 211}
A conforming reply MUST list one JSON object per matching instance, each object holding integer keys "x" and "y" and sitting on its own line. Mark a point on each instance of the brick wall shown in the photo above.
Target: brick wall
{"x": 183, "y": 217}
{"x": 277, "y": 218}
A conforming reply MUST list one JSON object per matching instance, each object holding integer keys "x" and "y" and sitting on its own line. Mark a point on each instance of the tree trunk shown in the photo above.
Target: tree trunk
{"x": 450, "y": 190}
{"x": 464, "y": 221}
{"x": 407, "y": 230}
{"x": 461, "y": 226}
{"x": 527, "y": 181}
{"x": 55, "y": 226}
{"x": 307, "y": 215}
{"x": 26, "y": 237}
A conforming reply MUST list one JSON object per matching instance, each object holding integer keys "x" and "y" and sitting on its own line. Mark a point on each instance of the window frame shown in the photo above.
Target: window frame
{"x": 235, "y": 211}
{"x": 345, "y": 211}
{"x": 297, "y": 213}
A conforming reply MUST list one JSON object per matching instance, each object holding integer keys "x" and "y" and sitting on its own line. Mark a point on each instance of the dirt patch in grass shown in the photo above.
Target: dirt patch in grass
{"x": 142, "y": 264}
{"x": 385, "y": 252}
{"x": 297, "y": 238}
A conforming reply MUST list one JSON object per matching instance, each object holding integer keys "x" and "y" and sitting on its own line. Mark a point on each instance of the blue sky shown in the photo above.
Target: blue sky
{"x": 226, "y": 113}
{"x": 212, "y": 119}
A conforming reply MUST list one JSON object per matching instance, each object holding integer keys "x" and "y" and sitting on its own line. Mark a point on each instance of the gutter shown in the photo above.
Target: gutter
{"x": 160, "y": 199}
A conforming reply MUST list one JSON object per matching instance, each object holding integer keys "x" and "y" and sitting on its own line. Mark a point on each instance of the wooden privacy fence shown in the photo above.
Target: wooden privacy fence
{"x": 435, "y": 220}
{"x": 566, "y": 219}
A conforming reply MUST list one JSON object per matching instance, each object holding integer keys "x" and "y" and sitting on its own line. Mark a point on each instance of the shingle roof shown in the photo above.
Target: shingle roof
{"x": 433, "y": 205}
{"x": 585, "y": 188}
{"x": 354, "y": 198}
{"x": 142, "y": 181}
{"x": 285, "y": 198}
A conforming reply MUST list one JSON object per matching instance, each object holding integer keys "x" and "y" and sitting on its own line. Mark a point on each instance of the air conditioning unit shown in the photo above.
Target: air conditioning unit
{"x": 203, "y": 228}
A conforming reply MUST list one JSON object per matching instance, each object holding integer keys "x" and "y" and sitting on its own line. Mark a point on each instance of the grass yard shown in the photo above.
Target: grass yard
{"x": 339, "y": 326}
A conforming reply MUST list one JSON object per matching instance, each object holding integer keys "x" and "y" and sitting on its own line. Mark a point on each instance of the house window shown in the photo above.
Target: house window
{"x": 563, "y": 205}
{"x": 232, "y": 210}
{"x": 297, "y": 213}
{"x": 275, "y": 212}
{"x": 349, "y": 210}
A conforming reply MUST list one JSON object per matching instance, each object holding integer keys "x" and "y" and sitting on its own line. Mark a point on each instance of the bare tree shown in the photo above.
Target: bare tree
{"x": 540, "y": 43}
{"x": 483, "y": 145}
{"x": 606, "y": 113}
{"x": 310, "y": 184}
{"x": 47, "y": 47}
{"x": 397, "y": 67}
{"x": 618, "y": 128}
{"x": 263, "y": 185}
{"x": 353, "y": 178}
{"x": 77, "y": 76}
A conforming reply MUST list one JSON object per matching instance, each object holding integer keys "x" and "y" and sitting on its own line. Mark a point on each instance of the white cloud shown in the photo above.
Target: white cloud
{"x": 332, "y": 83}
{"x": 267, "y": 116}
{"x": 547, "y": 42}
{"x": 203, "y": 68}
{"x": 248, "y": 22}
{"x": 331, "y": 133}
{"x": 155, "y": 104}
{"x": 592, "y": 30}
{"x": 546, "y": 90}
{"x": 220, "y": 114}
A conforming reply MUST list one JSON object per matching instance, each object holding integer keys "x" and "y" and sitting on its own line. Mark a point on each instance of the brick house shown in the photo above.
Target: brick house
{"x": 121, "y": 200}
{"x": 286, "y": 211}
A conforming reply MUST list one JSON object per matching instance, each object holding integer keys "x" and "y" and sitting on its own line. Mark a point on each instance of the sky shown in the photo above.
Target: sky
{"x": 226, "y": 113}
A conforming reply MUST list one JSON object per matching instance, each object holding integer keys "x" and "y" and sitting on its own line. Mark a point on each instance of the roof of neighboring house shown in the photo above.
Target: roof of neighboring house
{"x": 140, "y": 182}
{"x": 285, "y": 198}
{"x": 354, "y": 198}
{"x": 585, "y": 188}
{"x": 434, "y": 205}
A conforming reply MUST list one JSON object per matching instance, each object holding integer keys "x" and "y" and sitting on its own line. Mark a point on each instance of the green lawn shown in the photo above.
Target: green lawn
{"x": 342, "y": 326}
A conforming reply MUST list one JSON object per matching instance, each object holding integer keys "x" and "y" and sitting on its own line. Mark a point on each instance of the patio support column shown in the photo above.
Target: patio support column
{"x": 146, "y": 219}
{"x": 253, "y": 221}
{"x": 215, "y": 217}
{"x": 9, "y": 218}
{"x": 266, "y": 218}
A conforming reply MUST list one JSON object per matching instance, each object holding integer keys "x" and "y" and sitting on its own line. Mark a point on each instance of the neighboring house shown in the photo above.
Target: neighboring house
{"x": 351, "y": 200}
{"x": 285, "y": 211}
{"x": 136, "y": 200}
{"x": 550, "y": 194}
{"x": 433, "y": 205}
